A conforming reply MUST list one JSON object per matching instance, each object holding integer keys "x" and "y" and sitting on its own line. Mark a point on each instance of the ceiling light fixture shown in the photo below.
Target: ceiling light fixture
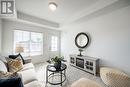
{"x": 52, "y": 6}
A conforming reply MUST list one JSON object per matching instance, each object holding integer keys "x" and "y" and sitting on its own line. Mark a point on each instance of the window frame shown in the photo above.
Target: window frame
{"x": 29, "y": 52}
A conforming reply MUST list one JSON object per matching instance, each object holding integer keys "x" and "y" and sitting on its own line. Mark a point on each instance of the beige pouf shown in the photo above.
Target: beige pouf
{"x": 84, "y": 82}
{"x": 114, "y": 78}
{"x": 34, "y": 84}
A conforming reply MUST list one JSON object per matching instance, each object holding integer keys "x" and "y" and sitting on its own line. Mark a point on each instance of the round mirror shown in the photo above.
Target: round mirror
{"x": 81, "y": 40}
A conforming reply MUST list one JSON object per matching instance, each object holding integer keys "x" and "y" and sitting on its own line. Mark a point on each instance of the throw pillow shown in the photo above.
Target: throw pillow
{"x": 15, "y": 65}
{"x": 3, "y": 58}
{"x": 11, "y": 82}
{"x": 15, "y": 56}
{"x": 3, "y": 67}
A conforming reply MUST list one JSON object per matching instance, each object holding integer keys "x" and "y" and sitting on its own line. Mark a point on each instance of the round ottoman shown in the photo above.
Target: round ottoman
{"x": 83, "y": 82}
{"x": 114, "y": 78}
{"x": 34, "y": 84}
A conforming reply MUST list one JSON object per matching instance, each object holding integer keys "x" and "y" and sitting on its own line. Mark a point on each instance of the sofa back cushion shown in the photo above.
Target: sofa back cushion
{"x": 3, "y": 66}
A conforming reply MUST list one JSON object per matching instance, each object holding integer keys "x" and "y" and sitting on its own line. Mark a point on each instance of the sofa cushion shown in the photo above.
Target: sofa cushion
{"x": 28, "y": 75}
{"x": 34, "y": 84}
{"x": 28, "y": 66}
{"x": 83, "y": 82}
{"x": 3, "y": 66}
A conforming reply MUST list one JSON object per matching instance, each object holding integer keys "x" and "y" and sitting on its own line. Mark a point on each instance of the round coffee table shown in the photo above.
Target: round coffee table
{"x": 51, "y": 72}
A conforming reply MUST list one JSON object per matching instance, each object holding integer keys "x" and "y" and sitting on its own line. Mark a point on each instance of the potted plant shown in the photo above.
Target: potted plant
{"x": 57, "y": 61}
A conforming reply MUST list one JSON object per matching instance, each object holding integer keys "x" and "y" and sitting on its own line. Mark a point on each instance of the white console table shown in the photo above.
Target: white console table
{"x": 86, "y": 63}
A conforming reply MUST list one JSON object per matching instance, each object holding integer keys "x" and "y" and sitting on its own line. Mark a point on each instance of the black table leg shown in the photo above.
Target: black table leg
{"x": 61, "y": 78}
{"x": 65, "y": 73}
{"x": 46, "y": 76}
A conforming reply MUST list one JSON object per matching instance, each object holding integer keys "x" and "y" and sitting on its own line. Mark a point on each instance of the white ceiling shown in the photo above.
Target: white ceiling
{"x": 68, "y": 10}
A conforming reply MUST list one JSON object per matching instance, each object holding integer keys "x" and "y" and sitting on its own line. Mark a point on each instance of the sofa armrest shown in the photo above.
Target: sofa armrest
{"x": 19, "y": 75}
{"x": 27, "y": 60}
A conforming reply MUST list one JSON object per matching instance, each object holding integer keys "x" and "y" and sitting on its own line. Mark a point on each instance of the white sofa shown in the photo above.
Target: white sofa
{"x": 27, "y": 74}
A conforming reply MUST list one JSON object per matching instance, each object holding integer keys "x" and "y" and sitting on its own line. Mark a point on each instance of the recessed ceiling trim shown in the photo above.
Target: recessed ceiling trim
{"x": 33, "y": 19}
{"x": 93, "y": 8}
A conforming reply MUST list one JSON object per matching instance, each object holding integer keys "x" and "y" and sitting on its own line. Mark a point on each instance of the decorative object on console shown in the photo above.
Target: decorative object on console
{"x": 86, "y": 63}
{"x": 81, "y": 41}
{"x": 80, "y": 50}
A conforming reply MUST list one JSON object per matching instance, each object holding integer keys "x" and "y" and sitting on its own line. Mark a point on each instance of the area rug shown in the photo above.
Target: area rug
{"x": 72, "y": 75}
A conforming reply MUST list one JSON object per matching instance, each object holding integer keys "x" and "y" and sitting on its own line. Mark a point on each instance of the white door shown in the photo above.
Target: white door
{"x": 54, "y": 45}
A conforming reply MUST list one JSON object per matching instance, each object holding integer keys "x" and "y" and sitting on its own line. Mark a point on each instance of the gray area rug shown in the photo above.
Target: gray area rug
{"x": 72, "y": 74}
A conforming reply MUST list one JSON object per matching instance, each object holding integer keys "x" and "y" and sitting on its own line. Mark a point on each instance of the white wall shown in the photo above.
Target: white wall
{"x": 0, "y": 33}
{"x": 110, "y": 38}
{"x": 7, "y": 39}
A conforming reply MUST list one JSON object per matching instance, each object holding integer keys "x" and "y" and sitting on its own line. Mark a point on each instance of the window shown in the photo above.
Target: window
{"x": 32, "y": 42}
{"x": 54, "y": 43}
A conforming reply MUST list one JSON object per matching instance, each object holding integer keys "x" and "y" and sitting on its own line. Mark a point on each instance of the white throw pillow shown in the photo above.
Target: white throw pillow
{"x": 3, "y": 58}
{"x": 3, "y": 66}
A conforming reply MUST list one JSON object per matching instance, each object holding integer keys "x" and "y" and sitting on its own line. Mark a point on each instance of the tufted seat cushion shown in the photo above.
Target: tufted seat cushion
{"x": 114, "y": 78}
{"x": 27, "y": 66}
{"x": 83, "y": 82}
{"x": 28, "y": 76}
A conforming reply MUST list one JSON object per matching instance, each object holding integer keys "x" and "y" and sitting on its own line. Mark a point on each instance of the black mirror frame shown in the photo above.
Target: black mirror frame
{"x": 82, "y": 33}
